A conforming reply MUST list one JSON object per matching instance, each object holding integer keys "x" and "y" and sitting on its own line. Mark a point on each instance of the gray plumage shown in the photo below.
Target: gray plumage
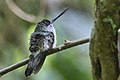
{"x": 41, "y": 41}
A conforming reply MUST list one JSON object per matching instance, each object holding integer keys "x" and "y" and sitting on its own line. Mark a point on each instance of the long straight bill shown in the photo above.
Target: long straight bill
{"x": 60, "y": 14}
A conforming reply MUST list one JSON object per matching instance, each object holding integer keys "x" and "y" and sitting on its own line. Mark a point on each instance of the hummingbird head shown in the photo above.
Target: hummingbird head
{"x": 44, "y": 23}
{"x": 47, "y": 25}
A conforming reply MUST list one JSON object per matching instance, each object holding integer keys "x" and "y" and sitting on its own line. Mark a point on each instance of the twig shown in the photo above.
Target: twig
{"x": 13, "y": 67}
{"x": 54, "y": 50}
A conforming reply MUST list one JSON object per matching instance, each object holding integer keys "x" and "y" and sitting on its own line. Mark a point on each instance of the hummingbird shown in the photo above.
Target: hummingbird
{"x": 42, "y": 40}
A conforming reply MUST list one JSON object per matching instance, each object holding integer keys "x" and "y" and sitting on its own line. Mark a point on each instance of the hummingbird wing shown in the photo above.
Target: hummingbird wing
{"x": 40, "y": 44}
{"x": 48, "y": 43}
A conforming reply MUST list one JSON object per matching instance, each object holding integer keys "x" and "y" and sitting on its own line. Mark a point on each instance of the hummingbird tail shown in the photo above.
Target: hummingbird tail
{"x": 35, "y": 64}
{"x": 41, "y": 59}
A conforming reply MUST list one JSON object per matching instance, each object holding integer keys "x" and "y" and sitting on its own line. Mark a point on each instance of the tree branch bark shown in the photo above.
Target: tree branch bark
{"x": 66, "y": 45}
{"x": 103, "y": 43}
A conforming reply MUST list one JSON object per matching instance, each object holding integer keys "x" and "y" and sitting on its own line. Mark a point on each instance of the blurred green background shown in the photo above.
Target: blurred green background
{"x": 17, "y": 21}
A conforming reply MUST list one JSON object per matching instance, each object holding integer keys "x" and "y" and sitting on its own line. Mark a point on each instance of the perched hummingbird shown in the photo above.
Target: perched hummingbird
{"x": 42, "y": 40}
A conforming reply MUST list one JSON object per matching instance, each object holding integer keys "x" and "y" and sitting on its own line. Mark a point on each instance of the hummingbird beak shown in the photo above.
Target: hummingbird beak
{"x": 60, "y": 14}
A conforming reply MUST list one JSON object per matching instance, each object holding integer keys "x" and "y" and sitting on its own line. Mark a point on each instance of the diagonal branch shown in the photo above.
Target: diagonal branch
{"x": 66, "y": 45}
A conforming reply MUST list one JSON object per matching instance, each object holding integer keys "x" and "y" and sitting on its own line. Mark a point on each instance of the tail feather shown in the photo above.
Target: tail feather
{"x": 35, "y": 64}
{"x": 28, "y": 71}
{"x": 30, "y": 66}
{"x": 40, "y": 63}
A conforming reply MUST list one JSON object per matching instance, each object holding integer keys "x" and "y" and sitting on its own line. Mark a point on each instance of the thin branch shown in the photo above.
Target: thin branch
{"x": 13, "y": 67}
{"x": 66, "y": 45}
